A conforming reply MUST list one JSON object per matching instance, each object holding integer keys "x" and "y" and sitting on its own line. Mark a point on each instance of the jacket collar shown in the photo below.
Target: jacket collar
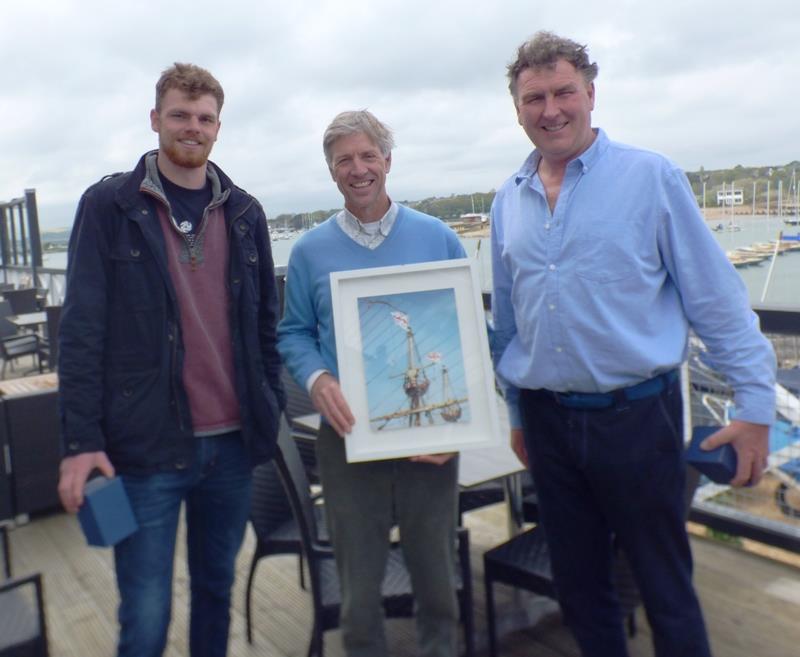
{"x": 141, "y": 190}
{"x": 151, "y": 183}
{"x": 144, "y": 178}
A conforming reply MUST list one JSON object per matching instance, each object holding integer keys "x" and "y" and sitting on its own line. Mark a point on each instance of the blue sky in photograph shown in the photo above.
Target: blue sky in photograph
{"x": 433, "y": 318}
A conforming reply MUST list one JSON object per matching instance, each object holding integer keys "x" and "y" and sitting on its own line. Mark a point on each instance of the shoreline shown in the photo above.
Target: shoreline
{"x": 717, "y": 213}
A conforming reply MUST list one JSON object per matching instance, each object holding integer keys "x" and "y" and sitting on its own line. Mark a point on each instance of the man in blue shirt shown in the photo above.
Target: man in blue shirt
{"x": 601, "y": 265}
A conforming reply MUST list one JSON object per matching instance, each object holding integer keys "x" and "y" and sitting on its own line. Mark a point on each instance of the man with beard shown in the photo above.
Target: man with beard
{"x": 168, "y": 370}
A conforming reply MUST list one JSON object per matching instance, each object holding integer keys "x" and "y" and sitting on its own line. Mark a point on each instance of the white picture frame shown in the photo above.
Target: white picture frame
{"x": 413, "y": 357}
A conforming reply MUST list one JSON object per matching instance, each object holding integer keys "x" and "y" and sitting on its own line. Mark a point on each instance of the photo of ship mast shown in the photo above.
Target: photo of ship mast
{"x": 414, "y": 368}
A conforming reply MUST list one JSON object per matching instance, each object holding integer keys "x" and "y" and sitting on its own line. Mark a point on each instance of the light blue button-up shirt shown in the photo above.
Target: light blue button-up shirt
{"x": 600, "y": 293}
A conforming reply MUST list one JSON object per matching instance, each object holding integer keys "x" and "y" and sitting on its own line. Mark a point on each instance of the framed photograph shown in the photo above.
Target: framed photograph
{"x": 414, "y": 360}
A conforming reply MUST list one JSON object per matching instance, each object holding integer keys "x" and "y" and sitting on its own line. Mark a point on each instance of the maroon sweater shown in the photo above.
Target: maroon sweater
{"x": 201, "y": 287}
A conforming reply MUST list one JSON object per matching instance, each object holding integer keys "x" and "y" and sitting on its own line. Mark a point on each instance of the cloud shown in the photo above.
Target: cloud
{"x": 706, "y": 83}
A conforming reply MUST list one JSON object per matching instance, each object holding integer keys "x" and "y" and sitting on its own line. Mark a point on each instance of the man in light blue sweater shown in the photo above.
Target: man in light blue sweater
{"x": 363, "y": 500}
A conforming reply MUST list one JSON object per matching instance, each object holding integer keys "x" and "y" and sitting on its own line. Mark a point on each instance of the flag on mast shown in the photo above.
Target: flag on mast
{"x": 401, "y": 319}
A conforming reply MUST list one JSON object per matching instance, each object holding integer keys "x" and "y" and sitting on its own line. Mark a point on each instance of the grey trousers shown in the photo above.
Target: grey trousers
{"x": 362, "y": 501}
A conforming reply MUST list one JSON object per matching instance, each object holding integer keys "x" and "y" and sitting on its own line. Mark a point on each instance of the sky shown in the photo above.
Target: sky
{"x": 710, "y": 83}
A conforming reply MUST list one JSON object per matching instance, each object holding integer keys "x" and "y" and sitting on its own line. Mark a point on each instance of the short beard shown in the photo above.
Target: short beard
{"x": 185, "y": 160}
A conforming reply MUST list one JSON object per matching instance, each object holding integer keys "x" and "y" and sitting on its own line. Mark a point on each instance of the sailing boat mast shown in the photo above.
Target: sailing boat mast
{"x": 415, "y": 382}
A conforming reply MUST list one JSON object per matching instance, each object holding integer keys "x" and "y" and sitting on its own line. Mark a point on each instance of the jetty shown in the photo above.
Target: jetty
{"x": 755, "y": 254}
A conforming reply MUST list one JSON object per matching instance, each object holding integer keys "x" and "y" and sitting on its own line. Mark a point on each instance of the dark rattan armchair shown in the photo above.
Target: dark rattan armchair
{"x": 15, "y": 345}
{"x": 23, "y": 631}
{"x": 276, "y": 530}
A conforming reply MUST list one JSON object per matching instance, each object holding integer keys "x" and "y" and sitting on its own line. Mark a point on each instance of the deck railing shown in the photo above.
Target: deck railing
{"x": 20, "y": 242}
{"x": 21, "y": 248}
{"x": 770, "y": 512}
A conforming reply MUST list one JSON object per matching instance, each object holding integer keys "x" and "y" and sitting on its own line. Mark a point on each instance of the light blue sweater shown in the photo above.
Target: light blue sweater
{"x": 305, "y": 335}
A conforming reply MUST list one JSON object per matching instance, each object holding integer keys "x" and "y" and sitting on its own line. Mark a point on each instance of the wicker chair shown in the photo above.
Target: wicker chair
{"x": 15, "y": 345}
{"x": 23, "y": 300}
{"x": 48, "y": 347}
{"x": 524, "y": 562}
{"x": 276, "y": 530}
{"x": 299, "y": 403}
{"x": 23, "y": 631}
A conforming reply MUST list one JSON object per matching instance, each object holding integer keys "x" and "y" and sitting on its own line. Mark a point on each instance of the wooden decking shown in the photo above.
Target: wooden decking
{"x": 752, "y": 603}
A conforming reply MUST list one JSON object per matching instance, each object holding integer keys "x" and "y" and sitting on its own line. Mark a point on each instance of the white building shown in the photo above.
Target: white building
{"x": 730, "y": 196}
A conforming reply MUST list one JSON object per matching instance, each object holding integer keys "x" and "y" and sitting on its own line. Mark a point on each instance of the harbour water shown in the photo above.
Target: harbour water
{"x": 783, "y": 290}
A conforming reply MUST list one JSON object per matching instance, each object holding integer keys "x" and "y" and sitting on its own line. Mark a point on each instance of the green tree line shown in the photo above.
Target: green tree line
{"x": 450, "y": 208}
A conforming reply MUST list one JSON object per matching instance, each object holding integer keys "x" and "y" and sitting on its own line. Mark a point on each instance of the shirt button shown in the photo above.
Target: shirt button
{"x": 135, "y": 253}
{"x": 145, "y": 211}
{"x": 559, "y": 349}
{"x": 547, "y": 226}
{"x": 243, "y": 227}
{"x": 552, "y": 267}
{"x": 74, "y": 445}
{"x": 552, "y": 306}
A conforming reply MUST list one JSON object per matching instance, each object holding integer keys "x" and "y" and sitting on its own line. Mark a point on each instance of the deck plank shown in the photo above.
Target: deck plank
{"x": 751, "y": 603}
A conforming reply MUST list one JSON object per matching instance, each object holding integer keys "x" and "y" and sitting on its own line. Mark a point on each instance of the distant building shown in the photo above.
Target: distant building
{"x": 474, "y": 218}
{"x": 730, "y": 196}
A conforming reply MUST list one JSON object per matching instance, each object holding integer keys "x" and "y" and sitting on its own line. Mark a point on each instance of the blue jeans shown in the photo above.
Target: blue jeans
{"x": 216, "y": 489}
{"x": 617, "y": 472}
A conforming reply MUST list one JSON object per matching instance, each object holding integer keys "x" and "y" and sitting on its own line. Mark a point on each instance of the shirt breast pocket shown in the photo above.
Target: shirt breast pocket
{"x": 137, "y": 284}
{"x": 607, "y": 258}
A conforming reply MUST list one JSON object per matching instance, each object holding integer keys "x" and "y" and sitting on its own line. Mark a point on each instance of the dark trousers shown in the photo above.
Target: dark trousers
{"x": 362, "y": 501}
{"x": 617, "y": 472}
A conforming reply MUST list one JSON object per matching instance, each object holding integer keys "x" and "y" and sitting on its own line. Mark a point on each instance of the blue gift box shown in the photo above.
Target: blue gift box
{"x": 719, "y": 464}
{"x": 106, "y": 516}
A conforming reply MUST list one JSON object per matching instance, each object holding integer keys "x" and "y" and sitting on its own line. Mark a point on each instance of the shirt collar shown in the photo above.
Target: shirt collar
{"x": 353, "y": 226}
{"x": 586, "y": 159}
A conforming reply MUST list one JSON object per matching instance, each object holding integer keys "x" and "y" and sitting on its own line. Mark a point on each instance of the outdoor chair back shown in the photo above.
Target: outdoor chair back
{"x": 48, "y": 347}
{"x": 23, "y": 631}
{"x": 299, "y": 403}
{"x": 22, "y": 300}
{"x": 14, "y": 345}
{"x": 276, "y": 530}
